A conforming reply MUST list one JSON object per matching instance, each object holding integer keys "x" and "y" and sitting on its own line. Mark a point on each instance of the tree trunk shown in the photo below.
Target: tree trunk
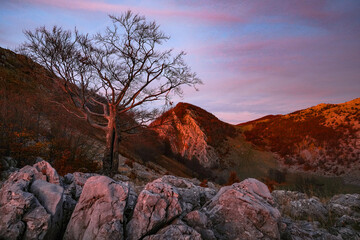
{"x": 111, "y": 155}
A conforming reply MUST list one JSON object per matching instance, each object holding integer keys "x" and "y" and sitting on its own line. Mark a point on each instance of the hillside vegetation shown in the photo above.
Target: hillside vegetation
{"x": 33, "y": 122}
{"x": 323, "y": 139}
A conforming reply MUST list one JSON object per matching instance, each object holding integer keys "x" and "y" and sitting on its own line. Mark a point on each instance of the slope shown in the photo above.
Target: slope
{"x": 324, "y": 139}
{"x": 34, "y": 123}
{"x": 214, "y": 148}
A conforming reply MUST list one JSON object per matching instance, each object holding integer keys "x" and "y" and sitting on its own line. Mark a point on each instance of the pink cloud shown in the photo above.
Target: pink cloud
{"x": 82, "y": 5}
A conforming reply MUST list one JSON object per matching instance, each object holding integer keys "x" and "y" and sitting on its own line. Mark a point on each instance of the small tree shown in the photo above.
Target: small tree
{"x": 112, "y": 73}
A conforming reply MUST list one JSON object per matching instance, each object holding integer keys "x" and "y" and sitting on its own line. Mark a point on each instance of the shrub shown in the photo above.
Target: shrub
{"x": 233, "y": 178}
{"x": 204, "y": 183}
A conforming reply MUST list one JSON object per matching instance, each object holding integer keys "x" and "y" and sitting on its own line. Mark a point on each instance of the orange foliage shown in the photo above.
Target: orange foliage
{"x": 233, "y": 178}
{"x": 204, "y": 183}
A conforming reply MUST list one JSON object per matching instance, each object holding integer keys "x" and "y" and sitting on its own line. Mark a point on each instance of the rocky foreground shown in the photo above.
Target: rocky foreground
{"x": 36, "y": 203}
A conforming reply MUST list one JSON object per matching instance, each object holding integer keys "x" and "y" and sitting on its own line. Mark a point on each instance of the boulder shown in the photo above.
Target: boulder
{"x": 304, "y": 230}
{"x": 163, "y": 200}
{"x": 21, "y": 211}
{"x": 344, "y": 204}
{"x": 241, "y": 211}
{"x": 157, "y": 205}
{"x": 51, "y": 198}
{"x": 348, "y": 227}
{"x": 101, "y": 210}
{"x": 298, "y": 206}
{"x": 199, "y": 221}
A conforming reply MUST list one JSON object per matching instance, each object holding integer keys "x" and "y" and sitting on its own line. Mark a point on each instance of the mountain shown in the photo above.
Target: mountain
{"x": 199, "y": 137}
{"x": 324, "y": 139}
{"x": 194, "y": 133}
{"x": 317, "y": 146}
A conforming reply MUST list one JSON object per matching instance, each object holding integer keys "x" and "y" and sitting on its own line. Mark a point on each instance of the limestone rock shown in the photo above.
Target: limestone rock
{"x": 303, "y": 230}
{"x": 348, "y": 227}
{"x": 241, "y": 211}
{"x": 199, "y": 221}
{"x": 163, "y": 200}
{"x": 345, "y": 204}
{"x": 75, "y": 182}
{"x": 22, "y": 215}
{"x": 46, "y": 169}
{"x": 177, "y": 230}
{"x": 299, "y": 206}
{"x": 38, "y": 222}
{"x": 51, "y": 198}
{"x": 188, "y": 139}
{"x": 100, "y": 212}
{"x": 157, "y": 204}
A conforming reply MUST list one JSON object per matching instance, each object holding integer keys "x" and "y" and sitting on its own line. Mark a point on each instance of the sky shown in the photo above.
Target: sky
{"x": 255, "y": 57}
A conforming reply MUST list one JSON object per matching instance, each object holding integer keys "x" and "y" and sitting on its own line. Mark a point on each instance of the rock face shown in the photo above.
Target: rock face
{"x": 31, "y": 207}
{"x": 162, "y": 201}
{"x": 194, "y": 133}
{"x": 101, "y": 210}
{"x": 241, "y": 211}
{"x": 191, "y": 140}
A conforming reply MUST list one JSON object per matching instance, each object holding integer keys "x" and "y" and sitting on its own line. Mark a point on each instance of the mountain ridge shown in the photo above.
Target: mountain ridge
{"x": 321, "y": 140}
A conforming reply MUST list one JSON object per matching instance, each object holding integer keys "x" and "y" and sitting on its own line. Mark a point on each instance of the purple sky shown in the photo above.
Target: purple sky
{"x": 255, "y": 57}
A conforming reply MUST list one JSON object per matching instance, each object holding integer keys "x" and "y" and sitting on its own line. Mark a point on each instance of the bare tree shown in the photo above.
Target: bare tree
{"x": 106, "y": 75}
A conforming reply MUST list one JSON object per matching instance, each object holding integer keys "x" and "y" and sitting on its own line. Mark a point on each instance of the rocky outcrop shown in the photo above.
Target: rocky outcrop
{"x": 299, "y": 206}
{"x": 189, "y": 140}
{"x": 309, "y": 218}
{"x": 101, "y": 210}
{"x": 162, "y": 201}
{"x": 194, "y": 133}
{"x": 241, "y": 211}
{"x": 74, "y": 183}
{"x": 31, "y": 207}
{"x": 37, "y": 204}
{"x": 47, "y": 170}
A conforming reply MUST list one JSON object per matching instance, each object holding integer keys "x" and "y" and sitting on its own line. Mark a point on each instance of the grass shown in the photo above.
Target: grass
{"x": 319, "y": 186}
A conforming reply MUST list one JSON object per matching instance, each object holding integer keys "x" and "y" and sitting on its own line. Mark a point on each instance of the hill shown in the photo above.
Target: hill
{"x": 323, "y": 139}
{"x": 34, "y": 123}
{"x": 315, "y": 148}
{"x": 219, "y": 148}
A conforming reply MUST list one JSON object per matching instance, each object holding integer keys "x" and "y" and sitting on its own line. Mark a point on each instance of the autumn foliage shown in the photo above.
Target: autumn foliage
{"x": 32, "y": 126}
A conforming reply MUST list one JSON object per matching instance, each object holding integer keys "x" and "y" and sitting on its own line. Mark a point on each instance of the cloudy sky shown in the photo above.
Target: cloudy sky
{"x": 255, "y": 57}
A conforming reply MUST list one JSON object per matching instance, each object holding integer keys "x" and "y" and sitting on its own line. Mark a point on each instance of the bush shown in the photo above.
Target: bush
{"x": 233, "y": 178}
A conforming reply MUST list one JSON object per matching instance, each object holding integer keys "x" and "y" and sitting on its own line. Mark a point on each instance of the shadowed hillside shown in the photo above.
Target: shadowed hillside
{"x": 34, "y": 123}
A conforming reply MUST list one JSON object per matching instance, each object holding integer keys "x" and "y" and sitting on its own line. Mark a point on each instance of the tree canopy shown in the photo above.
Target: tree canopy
{"x": 110, "y": 73}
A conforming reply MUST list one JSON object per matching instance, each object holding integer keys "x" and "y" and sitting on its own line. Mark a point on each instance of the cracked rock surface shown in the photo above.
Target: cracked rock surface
{"x": 30, "y": 206}
{"x": 100, "y": 212}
